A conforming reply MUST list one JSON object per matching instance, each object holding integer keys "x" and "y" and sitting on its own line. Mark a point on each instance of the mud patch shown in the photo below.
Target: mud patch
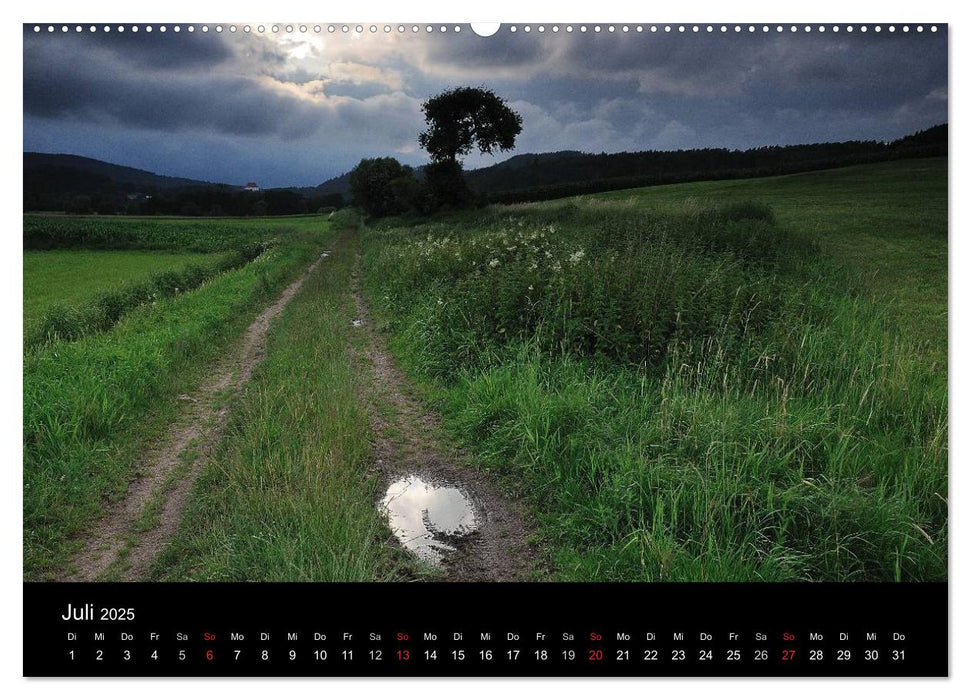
{"x": 409, "y": 440}
{"x": 429, "y": 519}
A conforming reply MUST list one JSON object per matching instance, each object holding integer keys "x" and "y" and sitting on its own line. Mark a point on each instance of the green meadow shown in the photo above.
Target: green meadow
{"x": 72, "y": 277}
{"x": 886, "y": 222}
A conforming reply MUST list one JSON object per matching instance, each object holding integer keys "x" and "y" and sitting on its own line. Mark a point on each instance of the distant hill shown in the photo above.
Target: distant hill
{"x": 530, "y": 176}
{"x": 57, "y": 182}
{"x": 70, "y": 171}
{"x": 75, "y": 184}
{"x": 336, "y": 185}
{"x": 568, "y": 174}
{"x": 480, "y": 179}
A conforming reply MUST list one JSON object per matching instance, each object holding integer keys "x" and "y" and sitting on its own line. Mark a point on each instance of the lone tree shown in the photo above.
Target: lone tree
{"x": 459, "y": 120}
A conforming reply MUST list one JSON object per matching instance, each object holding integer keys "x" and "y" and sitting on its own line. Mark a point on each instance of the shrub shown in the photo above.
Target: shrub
{"x": 380, "y": 186}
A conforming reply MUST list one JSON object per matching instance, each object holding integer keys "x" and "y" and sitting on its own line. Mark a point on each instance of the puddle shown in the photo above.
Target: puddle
{"x": 428, "y": 518}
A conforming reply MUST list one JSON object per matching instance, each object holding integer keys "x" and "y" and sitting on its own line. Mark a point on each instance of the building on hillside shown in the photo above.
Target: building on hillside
{"x": 252, "y": 187}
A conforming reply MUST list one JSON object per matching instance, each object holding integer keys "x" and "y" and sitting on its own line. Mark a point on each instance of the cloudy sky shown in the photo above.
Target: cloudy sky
{"x": 298, "y": 108}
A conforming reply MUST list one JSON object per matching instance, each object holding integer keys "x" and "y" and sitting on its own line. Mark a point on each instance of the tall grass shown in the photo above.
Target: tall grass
{"x": 153, "y": 233}
{"x": 694, "y": 395}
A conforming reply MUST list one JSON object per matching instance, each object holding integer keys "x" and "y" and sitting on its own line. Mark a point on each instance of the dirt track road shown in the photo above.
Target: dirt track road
{"x": 122, "y": 545}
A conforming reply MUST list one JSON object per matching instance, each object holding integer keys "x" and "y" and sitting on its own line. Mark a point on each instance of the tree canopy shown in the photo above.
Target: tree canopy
{"x": 378, "y": 185}
{"x": 464, "y": 118}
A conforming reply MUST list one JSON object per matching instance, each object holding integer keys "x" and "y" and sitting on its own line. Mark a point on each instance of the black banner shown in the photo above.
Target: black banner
{"x": 428, "y": 629}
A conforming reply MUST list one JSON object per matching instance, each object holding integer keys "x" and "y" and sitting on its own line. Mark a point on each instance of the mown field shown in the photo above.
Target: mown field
{"x": 726, "y": 381}
{"x": 95, "y": 397}
{"x": 73, "y": 277}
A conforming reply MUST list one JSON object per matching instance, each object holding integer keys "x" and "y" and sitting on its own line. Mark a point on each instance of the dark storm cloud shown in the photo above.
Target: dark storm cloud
{"x": 169, "y": 51}
{"x": 91, "y": 78}
{"x": 330, "y": 99}
{"x": 615, "y": 91}
{"x": 108, "y": 92}
{"x": 503, "y": 50}
{"x": 158, "y": 50}
{"x": 873, "y": 69}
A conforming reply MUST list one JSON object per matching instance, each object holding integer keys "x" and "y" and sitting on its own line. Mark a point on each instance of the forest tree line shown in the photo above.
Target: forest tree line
{"x": 552, "y": 177}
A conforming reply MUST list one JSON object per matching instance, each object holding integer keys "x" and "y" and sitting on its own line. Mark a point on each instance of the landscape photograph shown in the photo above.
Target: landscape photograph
{"x": 404, "y": 303}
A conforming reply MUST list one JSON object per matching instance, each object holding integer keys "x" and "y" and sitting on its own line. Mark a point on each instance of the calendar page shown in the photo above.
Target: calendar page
{"x": 410, "y": 349}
